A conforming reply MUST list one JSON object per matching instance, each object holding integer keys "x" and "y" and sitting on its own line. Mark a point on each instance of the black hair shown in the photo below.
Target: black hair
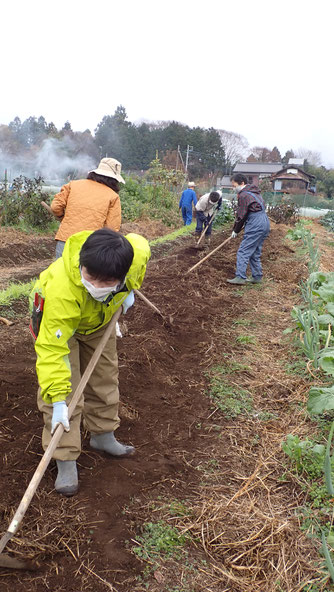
{"x": 214, "y": 196}
{"x": 239, "y": 178}
{"x": 106, "y": 254}
{"x": 109, "y": 181}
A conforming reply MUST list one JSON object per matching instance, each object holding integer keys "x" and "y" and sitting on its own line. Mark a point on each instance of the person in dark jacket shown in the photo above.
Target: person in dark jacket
{"x": 251, "y": 214}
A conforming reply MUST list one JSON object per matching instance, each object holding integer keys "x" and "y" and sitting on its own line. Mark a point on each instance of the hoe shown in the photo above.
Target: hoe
{"x": 10, "y": 562}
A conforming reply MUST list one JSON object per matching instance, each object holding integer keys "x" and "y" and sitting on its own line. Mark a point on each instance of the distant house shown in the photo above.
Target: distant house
{"x": 293, "y": 179}
{"x": 224, "y": 182}
{"x": 256, "y": 171}
{"x": 297, "y": 161}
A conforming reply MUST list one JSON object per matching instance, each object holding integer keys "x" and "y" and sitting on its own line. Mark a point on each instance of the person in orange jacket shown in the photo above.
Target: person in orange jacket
{"x": 89, "y": 204}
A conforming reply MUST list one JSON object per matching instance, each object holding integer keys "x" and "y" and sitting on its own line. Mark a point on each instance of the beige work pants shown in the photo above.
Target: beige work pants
{"x": 99, "y": 403}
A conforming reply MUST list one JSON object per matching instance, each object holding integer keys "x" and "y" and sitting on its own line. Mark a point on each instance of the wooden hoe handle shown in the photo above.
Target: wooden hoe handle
{"x": 148, "y": 302}
{"x": 47, "y": 207}
{"x": 209, "y": 255}
{"x": 207, "y": 227}
{"x": 37, "y": 476}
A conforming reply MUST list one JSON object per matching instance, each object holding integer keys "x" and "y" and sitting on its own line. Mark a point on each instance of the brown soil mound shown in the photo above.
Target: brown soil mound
{"x": 78, "y": 541}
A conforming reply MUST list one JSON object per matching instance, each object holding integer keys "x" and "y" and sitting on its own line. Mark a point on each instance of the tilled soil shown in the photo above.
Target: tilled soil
{"x": 80, "y": 540}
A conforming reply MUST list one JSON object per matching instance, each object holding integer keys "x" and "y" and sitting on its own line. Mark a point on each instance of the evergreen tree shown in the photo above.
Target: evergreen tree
{"x": 289, "y": 154}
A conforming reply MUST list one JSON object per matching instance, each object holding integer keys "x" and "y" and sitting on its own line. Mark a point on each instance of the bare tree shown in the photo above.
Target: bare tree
{"x": 235, "y": 147}
{"x": 260, "y": 153}
{"x": 312, "y": 156}
{"x": 153, "y": 125}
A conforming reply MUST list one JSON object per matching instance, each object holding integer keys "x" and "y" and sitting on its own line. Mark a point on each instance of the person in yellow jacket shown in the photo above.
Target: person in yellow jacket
{"x": 81, "y": 291}
{"x": 89, "y": 204}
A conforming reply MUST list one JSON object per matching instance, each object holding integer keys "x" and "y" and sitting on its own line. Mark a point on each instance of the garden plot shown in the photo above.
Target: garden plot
{"x": 241, "y": 533}
{"x": 23, "y": 256}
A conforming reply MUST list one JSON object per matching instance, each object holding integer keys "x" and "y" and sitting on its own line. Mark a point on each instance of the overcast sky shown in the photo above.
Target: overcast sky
{"x": 261, "y": 68}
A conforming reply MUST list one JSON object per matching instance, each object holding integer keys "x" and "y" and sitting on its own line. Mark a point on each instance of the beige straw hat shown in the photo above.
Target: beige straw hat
{"x": 110, "y": 167}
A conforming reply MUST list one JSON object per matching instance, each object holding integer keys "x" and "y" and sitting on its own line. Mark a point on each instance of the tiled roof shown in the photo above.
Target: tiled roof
{"x": 257, "y": 167}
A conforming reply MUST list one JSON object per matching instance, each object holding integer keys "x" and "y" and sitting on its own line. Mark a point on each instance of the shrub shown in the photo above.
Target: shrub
{"x": 225, "y": 215}
{"x": 23, "y": 202}
{"x": 140, "y": 198}
{"x": 328, "y": 221}
{"x": 285, "y": 212}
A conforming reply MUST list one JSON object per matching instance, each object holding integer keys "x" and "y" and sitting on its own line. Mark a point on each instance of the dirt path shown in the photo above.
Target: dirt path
{"x": 80, "y": 542}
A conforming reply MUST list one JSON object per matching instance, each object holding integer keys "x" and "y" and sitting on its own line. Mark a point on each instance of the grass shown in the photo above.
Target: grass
{"x": 179, "y": 232}
{"x": 177, "y": 508}
{"x": 15, "y": 292}
{"x": 51, "y": 228}
{"x": 183, "y": 231}
{"x": 159, "y": 540}
{"x": 297, "y": 367}
{"x": 244, "y": 323}
{"x": 246, "y": 339}
{"x": 266, "y": 415}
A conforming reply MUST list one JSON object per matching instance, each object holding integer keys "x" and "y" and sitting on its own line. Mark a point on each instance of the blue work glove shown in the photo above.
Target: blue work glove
{"x": 60, "y": 415}
{"x": 129, "y": 301}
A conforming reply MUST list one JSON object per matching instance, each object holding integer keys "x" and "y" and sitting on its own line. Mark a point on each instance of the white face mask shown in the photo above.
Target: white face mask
{"x": 238, "y": 188}
{"x": 100, "y": 294}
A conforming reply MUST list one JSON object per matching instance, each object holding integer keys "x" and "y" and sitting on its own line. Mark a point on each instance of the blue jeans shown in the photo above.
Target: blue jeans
{"x": 187, "y": 215}
{"x": 59, "y": 248}
{"x": 257, "y": 228}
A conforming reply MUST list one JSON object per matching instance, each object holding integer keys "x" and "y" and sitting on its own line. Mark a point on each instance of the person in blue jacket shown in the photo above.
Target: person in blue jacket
{"x": 188, "y": 197}
{"x": 251, "y": 214}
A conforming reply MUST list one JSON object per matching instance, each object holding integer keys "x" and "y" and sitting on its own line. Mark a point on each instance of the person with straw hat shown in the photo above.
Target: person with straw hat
{"x": 89, "y": 204}
{"x": 188, "y": 198}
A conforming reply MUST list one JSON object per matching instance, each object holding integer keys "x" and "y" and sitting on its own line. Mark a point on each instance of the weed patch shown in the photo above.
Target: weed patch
{"x": 246, "y": 339}
{"x": 232, "y": 401}
{"x": 183, "y": 231}
{"x": 159, "y": 540}
{"x": 15, "y": 292}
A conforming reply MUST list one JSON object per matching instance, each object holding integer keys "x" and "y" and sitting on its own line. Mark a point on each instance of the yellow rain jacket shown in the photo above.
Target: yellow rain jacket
{"x": 69, "y": 308}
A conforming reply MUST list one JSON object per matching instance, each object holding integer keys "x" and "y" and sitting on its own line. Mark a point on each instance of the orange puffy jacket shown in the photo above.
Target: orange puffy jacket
{"x": 86, "y": 205}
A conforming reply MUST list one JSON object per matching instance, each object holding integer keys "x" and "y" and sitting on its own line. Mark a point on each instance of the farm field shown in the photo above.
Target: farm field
{"x": 206, "y": 400}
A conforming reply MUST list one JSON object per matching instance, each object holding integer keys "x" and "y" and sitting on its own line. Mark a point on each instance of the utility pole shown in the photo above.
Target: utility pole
{"x": 189, "y": 149}
{"x": 177, "y": 156}
{"x": 181, "y": 158}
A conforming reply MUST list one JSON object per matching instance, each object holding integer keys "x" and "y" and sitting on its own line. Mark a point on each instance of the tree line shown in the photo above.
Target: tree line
{"x": 211, "y": 152}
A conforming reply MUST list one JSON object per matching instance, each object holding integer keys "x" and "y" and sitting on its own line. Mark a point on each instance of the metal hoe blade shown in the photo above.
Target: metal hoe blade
{"x": 12, "y": 563}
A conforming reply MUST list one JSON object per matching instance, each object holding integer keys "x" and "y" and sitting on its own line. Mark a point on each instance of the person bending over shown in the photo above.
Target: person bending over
{"x": 78, "y": 295}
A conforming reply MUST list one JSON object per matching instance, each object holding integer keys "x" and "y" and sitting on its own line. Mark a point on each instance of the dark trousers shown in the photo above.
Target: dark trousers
{"x": 203, "y": 221}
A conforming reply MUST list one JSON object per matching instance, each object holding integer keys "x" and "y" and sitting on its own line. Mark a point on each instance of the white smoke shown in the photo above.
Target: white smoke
{"x": 57, "y": 161}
